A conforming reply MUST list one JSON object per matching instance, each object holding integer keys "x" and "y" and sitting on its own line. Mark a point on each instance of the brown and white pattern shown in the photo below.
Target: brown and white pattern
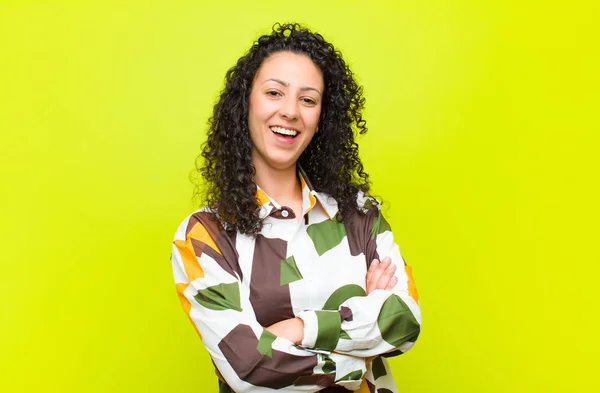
{"x": 231, "y": 287}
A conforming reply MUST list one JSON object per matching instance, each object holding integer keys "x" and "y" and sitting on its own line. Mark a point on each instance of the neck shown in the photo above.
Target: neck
{"x": 280, "y": 184}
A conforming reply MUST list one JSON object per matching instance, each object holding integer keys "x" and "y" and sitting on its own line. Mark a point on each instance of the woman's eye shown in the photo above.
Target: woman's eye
{"x": 309, "y": 101}
{"x": 273, "y": 93}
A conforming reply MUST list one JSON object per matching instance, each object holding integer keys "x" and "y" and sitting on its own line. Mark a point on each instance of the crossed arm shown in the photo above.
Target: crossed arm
{"x": 379, "y": 276}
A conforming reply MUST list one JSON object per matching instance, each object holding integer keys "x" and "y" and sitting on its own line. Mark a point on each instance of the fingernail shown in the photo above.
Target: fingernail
{"x": 391, "y": 267}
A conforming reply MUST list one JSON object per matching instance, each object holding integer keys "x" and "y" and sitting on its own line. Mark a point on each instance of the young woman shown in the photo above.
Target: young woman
{"x": 291, "y": 275}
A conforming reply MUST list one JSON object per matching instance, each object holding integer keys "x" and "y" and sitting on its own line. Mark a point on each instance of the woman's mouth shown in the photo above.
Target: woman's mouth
{"x": 284, "y": 132}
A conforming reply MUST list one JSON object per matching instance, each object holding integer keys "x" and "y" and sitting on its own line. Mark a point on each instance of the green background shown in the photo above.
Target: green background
{"x": 483, "y": 141}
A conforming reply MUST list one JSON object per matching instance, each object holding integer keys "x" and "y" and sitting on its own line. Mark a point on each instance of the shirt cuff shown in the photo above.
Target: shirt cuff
{"x": 321, "y": 329}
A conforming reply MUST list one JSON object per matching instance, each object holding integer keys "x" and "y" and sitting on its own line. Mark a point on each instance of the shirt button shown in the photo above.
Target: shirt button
{"x": 285, "y": 213}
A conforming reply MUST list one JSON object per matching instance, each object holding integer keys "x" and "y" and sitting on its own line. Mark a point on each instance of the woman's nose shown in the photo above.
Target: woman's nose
{"x": 289, "y": 108}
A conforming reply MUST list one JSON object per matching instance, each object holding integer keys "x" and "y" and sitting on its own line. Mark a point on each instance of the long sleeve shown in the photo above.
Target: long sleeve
{"x": 250, "y": 359}
{"x": 384, "y": 322}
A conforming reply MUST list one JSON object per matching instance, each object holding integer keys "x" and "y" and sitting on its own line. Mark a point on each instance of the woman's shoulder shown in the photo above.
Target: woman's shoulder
{"x": 367, "y": 203}
{"x": 204, "y": 219}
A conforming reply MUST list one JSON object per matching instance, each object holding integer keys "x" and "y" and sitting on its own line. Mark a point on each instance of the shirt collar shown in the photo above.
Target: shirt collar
{"x": 310, "y": 197}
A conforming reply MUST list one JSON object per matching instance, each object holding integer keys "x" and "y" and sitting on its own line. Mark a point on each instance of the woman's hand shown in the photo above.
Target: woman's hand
{"x": 381, "y": 275}
{"x": 291, "y": 329}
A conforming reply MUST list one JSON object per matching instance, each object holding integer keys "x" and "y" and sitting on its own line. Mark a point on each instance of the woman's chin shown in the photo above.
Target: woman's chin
{"x": 282, "y": 163}
{"x": 274, "y": 159}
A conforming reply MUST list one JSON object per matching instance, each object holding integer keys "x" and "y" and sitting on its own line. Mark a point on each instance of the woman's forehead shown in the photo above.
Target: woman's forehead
{"x": 290, "y": 68}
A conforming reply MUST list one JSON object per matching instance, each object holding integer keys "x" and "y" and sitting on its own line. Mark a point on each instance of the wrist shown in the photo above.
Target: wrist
{"x": 299, "y": 329}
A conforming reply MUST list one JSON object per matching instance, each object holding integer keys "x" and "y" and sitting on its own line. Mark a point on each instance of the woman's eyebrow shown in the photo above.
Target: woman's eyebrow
{"x": 286, "y": 84}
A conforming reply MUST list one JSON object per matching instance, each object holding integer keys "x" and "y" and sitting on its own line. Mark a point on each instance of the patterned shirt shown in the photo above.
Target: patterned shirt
{"x": 232, "y": 286}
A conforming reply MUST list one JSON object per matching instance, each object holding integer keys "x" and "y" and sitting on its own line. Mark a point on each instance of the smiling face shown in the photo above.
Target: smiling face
{"x": 284, "y": 109}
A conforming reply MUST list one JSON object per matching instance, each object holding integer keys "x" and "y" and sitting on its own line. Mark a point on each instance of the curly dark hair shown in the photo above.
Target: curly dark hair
{"x": 331, "y": 159}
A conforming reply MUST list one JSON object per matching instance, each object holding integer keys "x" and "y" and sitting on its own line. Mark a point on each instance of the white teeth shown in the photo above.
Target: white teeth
{"x": 284, "y": 131}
